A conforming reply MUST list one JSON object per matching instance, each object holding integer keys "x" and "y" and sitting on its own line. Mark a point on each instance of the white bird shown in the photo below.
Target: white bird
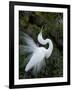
{"x": 37, "y": 54}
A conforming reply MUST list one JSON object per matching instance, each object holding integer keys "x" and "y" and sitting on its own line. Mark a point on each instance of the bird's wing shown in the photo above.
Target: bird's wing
{"x": 26, "y": 38}
{"x": 30, "y": 44}
{"x": 36, "y": 58}
{"x": 25, "y": 49}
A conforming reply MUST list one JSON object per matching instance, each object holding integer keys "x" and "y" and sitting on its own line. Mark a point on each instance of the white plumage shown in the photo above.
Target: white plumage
{"x": 38, "y": 54}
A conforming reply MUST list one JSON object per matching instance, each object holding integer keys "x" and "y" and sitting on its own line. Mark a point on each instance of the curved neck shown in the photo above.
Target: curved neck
{"x": 49, "y": 42}
{"x": 44, "y": 42}
{"x": 50, "y": 48}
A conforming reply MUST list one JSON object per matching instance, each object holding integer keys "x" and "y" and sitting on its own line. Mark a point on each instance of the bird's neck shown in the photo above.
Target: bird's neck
{"x": 48, "y": 41}
{"x": 50, "y": 48}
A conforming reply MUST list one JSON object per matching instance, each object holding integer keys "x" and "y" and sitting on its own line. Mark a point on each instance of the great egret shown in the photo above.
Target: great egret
{"x": 37, "y": 54}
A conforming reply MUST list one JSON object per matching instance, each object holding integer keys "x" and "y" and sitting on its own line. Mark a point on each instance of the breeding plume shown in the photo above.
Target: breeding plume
{"x": 36, "y": 54}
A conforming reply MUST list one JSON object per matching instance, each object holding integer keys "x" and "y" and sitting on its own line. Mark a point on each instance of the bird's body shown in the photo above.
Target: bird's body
{"x": 38, "y": 54}
{"x": 37, "y": 57}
